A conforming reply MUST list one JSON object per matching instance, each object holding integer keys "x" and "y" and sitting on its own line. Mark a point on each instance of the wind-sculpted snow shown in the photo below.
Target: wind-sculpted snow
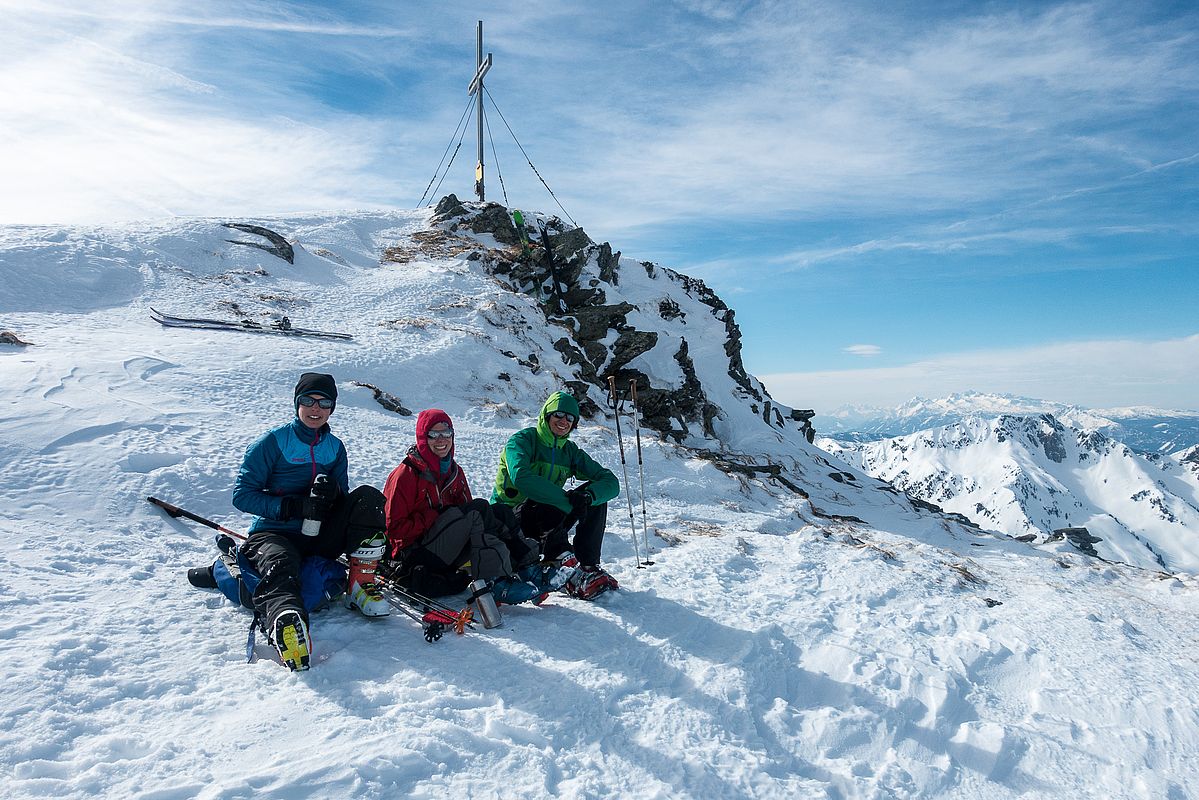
{"x": 805, "y": 632}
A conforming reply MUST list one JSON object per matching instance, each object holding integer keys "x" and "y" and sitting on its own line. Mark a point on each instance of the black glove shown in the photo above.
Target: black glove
{"x": 580, "y": 500}
{"x": 322, "y": 496}
{"x": 317, "y": 506}
{"x": 291, "y": 507}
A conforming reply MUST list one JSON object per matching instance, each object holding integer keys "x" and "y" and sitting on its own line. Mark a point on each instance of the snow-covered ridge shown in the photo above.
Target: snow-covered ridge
{"x": 777, "y": 648}
{"x": 1148, "y": 430}
{"x": 1032, "y": 475}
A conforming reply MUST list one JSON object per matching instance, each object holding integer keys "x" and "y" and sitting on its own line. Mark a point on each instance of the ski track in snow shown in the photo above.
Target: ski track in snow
{"x": 768, "y": 652}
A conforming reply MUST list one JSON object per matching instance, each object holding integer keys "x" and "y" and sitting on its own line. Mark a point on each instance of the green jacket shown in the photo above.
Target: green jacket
{"x": 535, "y": 464}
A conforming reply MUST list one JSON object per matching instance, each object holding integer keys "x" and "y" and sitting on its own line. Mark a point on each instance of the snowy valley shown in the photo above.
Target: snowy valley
{"x": 805, "y": 631}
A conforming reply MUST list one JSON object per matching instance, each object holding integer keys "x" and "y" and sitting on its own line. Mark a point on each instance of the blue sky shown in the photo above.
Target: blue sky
{"x": 917, "y": 199}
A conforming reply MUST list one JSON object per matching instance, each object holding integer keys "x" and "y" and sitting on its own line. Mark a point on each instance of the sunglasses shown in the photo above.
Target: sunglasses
{"x": 308, "y": 401}
{"x": 435, "y": 435}
{"x": 563, "y": 415}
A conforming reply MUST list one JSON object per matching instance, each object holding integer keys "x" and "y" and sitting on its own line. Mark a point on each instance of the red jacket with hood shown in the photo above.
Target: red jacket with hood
{"x": 417, "y": 492}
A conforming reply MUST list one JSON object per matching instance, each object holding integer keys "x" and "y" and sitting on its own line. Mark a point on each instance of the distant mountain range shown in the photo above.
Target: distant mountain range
{"x": 1031, "y": 475}
{"x": 1147, "y": 430}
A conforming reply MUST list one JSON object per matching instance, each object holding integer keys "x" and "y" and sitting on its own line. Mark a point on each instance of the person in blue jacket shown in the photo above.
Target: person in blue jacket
{"x": 294, "y": 479}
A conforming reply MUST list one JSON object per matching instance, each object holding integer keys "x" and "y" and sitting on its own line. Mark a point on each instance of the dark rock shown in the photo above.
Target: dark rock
{"x": 576, "y": 297}
{"x": 570, "y": 246}
{"x": 532, "y": 363}
{"x": 278, "y": 245}
{"x": 669, "y": 310}
{"x": 494, "y": 219}
{"x": 385, "y": 399}
{"x": 962, "y": 519}
{"x": 595, "y": 321}
{"x": 448, "y": 207}
{"x": 573, "y": 355}
{"x": 629, "y": 345}
{"x": 691, "y": 398}
{"x": 8, "y": 337}
{"x": 732, "y": 346}
{"x": 1081, "y": 538}
{"x": 732, "y": 465}
{"x": 924, "y": 504}
{"x": 609, "y": 263}
{"x": 838, "y": 517}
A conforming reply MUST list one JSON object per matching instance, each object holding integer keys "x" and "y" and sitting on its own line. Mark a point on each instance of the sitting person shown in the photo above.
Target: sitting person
{"x": 291, "y": 475}
{"x": 534, "y": 466}
{"x": 434, "y": 527}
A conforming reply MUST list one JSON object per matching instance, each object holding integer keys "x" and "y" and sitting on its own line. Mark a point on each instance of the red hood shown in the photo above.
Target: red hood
{"x": 424, "y": 421}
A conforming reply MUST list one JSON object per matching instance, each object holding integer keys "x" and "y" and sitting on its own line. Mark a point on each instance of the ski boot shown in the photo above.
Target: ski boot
{"x": 201, "y": 577}
{"x": 362, "y": 592}
{"x": 552, "y": 574}
{"x": 589, "y": 583}
{"x": 289, "y": 635}
{"x": 513, "y": 591}
{"x": 558, "y": 572}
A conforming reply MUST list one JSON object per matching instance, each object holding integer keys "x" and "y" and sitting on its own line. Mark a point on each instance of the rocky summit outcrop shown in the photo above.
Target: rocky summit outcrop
{"x": 615, "y": 316}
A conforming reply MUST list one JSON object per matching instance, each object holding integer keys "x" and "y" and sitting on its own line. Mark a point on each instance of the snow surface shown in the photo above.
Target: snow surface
{"x": 771, "y": 651}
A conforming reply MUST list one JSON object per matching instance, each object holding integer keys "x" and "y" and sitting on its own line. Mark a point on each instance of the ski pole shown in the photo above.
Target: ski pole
{"x": 640, "y": 471}
{"x": 442, "y": 614}
{"x": 175, "y": 512}
{"x": 615, "y": 402}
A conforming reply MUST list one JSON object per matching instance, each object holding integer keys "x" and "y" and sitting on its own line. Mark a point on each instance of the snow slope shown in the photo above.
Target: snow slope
{"x": 777, "y": 648}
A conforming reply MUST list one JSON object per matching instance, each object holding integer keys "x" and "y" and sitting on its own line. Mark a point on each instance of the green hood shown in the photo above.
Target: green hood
{"x": 558, "y": 401}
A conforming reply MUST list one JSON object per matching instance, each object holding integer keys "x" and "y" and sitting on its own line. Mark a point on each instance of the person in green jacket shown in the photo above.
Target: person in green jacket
{"x": 534, "y": 467}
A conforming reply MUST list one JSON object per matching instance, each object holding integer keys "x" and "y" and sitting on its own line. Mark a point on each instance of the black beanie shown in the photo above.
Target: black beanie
{"x": 316, "y": 383}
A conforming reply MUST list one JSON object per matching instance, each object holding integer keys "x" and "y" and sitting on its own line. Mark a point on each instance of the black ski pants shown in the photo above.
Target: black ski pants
{"x": 276, "y": 555}
{"x": 541, "y": 523}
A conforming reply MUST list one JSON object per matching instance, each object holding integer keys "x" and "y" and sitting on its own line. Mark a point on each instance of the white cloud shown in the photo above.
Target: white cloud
{"x": 827, "y": 112}
{"x": 1095, "y": 373}
{"x": 865, "y": 350}
{"x": 89, "y": 132}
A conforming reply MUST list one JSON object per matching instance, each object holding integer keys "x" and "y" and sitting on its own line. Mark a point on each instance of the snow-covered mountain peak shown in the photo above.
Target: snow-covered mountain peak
{"x": 1031, "y": 475}
{"x": 1144, "y": 429}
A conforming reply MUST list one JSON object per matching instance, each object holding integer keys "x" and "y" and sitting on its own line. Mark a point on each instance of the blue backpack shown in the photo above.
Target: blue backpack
{"x": 321, "y": 579}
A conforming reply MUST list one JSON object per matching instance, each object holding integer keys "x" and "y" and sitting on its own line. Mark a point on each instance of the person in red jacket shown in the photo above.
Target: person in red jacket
{"x": 435, "y": 526}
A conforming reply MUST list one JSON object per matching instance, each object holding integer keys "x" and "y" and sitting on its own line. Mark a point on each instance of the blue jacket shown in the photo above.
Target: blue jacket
{"x": 285, "y": 461}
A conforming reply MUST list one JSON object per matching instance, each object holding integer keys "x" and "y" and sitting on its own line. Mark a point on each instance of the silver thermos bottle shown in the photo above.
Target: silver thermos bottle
{"x": 488, "y": 610}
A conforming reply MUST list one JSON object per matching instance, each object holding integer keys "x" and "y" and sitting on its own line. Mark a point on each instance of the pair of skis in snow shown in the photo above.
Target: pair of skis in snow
{"x": 283, "y": 327}
{"x": 617, "y": 404}
{"x": 433, "y": 615}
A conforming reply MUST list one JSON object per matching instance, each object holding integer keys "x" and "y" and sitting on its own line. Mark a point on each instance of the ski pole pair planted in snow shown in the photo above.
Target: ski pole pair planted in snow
{"x": 617, "y": 404}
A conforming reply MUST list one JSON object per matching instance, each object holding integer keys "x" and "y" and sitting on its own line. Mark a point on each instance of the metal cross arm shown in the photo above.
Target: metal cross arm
{"x": 477, "y": 81}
